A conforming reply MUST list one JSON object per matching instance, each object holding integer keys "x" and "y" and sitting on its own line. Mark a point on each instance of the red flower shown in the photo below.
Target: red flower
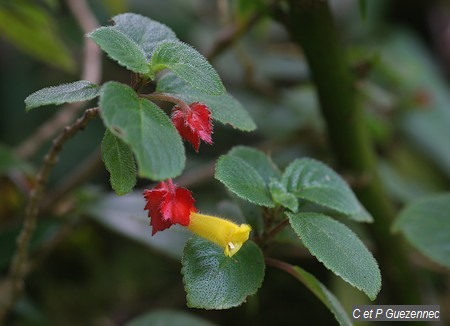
{"x": 193, "y": 124}
{"x": 168, "y": 204}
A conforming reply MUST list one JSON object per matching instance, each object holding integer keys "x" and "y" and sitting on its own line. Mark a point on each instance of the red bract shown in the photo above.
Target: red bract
{"x": 168, "y": 204}
{"x": 193, "y": 124}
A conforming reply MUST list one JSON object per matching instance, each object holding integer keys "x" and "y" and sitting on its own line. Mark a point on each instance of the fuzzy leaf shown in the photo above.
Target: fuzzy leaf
{"x": 339, "y": 249}
{"x": 145, "y": 128}
{"x": 224, "y": 108}
{"x": 426, "y": 225}
{"x": 258, "y": 160}
{"x": 145, "y": 32}
{"x": 215, "y": 281}
{"x": 78, "y": 91}
{"x": 323, "y": 294}
{"x": 119, "y": 162}
{"x": 243, "y": 180}
{"x": 189, "y": 65}
{"x": 314, "y": 181}
{"x": 281, "y": 196}
{"x": 121, "y": 48}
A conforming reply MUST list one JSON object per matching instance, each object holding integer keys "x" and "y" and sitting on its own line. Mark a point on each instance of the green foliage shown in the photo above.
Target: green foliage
{"x": 188, "y": 64}
{"x": 426, "y": 225}
{"x": 119, "y": 162}
{"x": 281, "y": 196}
{"x": 169, "y": 318}
{"x": 215, "y": 281}
{"x": 314, "y": 181}
{"x": 145, "y": 128}
{"x": 243, "y": 180}
{"x": 339, "y": 249}
{"x": 78, "y": 91}
{"x": 145, "y": 32}
{"x": 224, "y": 108}
{"x": 121, "y": 48}
{"x": 31, "y": 29}
{"x": 323, "y": 294}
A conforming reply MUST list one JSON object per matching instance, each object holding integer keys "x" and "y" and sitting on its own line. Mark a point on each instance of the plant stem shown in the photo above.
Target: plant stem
{"x": 18, "y": 268}
{"x": 167, "y": 98}
{"x": 311, "y": 25}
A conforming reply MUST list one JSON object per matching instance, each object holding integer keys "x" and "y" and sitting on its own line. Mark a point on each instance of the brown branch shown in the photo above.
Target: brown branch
{"x": 167, "y": 98}
{"x": 91, "y": 72}
{"x": 18, "y": 267}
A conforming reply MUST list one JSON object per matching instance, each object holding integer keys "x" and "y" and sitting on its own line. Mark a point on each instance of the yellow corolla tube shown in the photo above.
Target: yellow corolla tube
{"x": 226, "y": 234}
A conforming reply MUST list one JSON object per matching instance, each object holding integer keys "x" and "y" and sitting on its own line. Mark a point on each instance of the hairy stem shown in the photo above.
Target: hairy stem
{"x": 167, "y": 98}
{"x": 311, "y": 25}
{"x": 18, "y": 268}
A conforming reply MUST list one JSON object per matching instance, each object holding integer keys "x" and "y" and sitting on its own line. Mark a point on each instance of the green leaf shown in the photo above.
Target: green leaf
{"x": 314, "y": 181}
{"x": 224, "y": 108}
{"x": 243, "y": 180}
{"x": 145, "y": 32}
{"x": 281, "y": 196}
{"x": 78, "y": 91}
{"x": 189, "y": 65}
{"x": 215, "y": 281}
{"x": 119, "y": 162}
{"x": 32, "y": 30}
{"x": 121, "y": 48}
{"x": 168, "y": 317}
{"x": 258, "y": 160}
{"x": 323, "y": 294}
{"x": 426, "y": 225}
{"x": 145, "y": 128}
{"x": 339, "y": 249}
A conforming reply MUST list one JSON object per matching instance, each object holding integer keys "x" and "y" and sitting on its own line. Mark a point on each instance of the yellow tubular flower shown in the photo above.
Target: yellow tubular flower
{"x": 226, "y": 234}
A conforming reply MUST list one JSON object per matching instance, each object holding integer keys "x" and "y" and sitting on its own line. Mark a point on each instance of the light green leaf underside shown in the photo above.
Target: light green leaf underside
{"x": 339, "y": 249}
{"x": 121, "y": 48}
{"x": 145, "y": 128}
{"x": 243, "y": 180}
{"x": 119, "y": 162}
{"x": 314, "y": 181}
{"x": 189, "y": 65}
{"x": 145, "y": 32}
{"x": 426, "y": 225}
{"x": 224, "y": 108}
{"x": 78, "y": 91}
{"x": 323, "y": 294}
{"x": 215, "y": 281}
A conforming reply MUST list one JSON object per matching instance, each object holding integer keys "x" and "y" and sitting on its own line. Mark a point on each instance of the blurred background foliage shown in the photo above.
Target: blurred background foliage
{"x": 93, "y": 258}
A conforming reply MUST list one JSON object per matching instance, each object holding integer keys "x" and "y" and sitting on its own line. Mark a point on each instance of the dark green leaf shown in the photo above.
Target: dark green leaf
{"x": 215, "y": 281}
{"x": 169, "y": 318}
{"x": 314, "y": 181}
{"x": 324, "y": 295}
{"x": 121, "y": 48}
{"x": 146, "y": 33}
{"x": 119, "y": 162}
{"x": 224, "y": 108}
{"x": 258, "y": 160}
{"x": 145, "y": 128}
{"x": 189, "y": 65}
{"x": 243, "y": 180}
{"x": 426, "y": 225}
{"x": 339, "y": 249}
{"x": 281, "y": 196}
{"x": 78, "y": 91}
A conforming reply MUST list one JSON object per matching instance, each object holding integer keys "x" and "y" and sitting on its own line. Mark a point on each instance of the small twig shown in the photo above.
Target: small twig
{"x": 91, "y": 72}
{"x": 18, "y": 267}
{"x": 167, "y": 98}
{"x": 288, "y": 268}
